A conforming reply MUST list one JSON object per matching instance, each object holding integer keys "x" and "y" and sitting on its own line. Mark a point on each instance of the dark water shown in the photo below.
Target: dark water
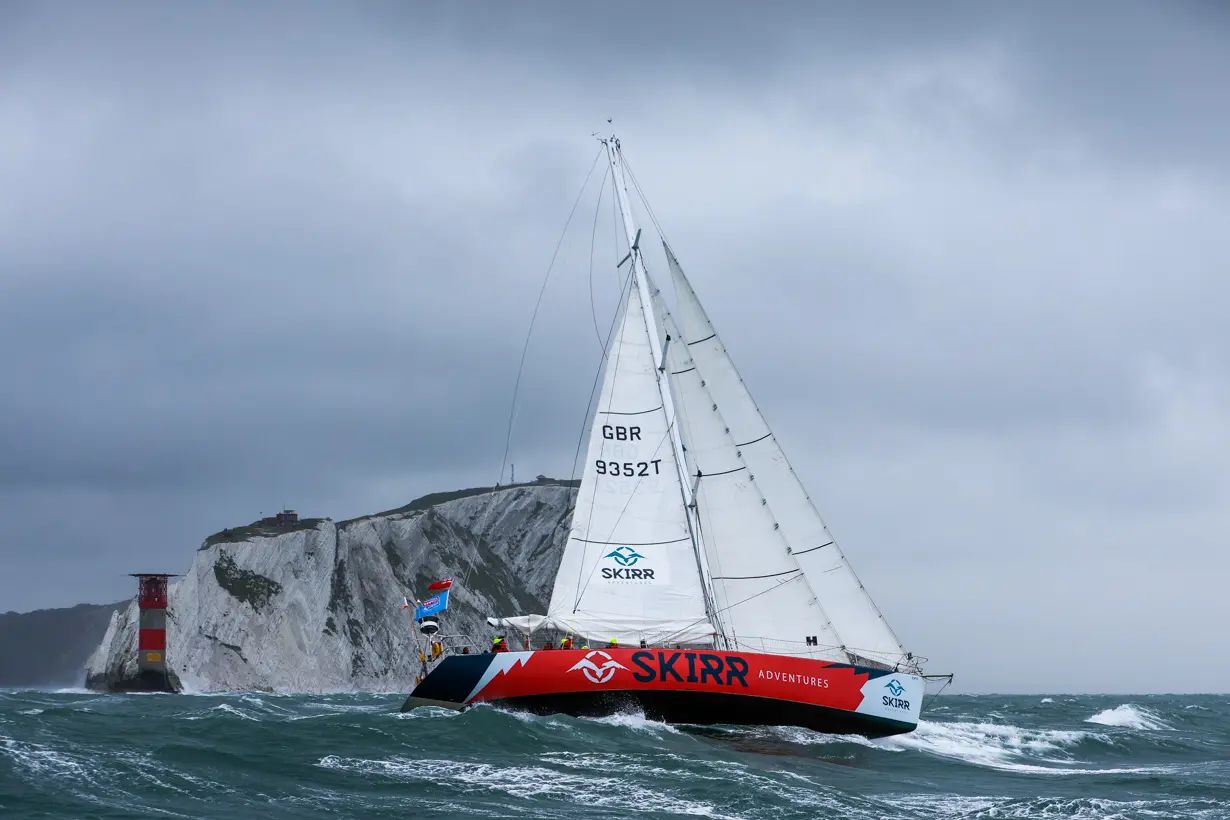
{"x": 66, "y": 755}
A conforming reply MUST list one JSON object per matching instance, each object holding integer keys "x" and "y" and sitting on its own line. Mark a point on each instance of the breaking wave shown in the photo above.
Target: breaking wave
{"x": 1129, "y": 716}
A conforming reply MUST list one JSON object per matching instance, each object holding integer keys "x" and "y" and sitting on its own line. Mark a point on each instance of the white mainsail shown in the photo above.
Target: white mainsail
{"x": 856, "y": 623}
{"x": 629, "y": 569}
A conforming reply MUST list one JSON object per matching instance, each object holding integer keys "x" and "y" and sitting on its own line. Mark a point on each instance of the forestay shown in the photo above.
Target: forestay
{"x": 856, "y": 622}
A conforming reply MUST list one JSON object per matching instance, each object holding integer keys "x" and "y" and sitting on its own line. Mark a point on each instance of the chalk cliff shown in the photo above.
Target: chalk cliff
{"x": 319, "y": 608}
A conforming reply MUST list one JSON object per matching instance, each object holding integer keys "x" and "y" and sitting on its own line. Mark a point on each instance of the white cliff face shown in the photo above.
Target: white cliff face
{"x": 320, "y": 609}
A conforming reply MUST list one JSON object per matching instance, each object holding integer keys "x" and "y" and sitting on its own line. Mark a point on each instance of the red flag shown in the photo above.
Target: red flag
{"x": 445, "y": 584}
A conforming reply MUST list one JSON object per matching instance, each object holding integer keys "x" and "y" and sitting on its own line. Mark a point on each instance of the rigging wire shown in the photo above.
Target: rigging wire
{"x": 623, "y": 290}
{"x": 593, "y": 308}
{"x": 623, "y": 285}
{"x": 512, "y": 410}
{"x": 929, "y": 700}
{"x": 594, "y": 389}
{"x": 616, "y": 232}
{"x": 644, "y": 199}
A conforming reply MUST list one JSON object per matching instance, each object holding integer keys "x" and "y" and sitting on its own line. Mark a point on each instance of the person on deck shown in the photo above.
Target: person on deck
{"x": 614, "y": 644}
{"x": 499, "y": 645}
{"x": 565, "y": 642}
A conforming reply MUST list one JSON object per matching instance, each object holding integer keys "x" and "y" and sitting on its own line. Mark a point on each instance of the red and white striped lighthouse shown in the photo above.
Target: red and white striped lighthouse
{"x": 152, "y": 629}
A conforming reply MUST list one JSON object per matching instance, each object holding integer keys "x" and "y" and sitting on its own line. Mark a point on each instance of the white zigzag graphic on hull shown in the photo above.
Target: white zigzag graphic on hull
{"x": 502, "y": 662}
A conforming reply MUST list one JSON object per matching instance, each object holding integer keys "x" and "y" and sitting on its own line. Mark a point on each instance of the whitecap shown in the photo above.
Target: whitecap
{"x": 1128, "y": 716}
{"x": 807, "y": 737}
{"x": 591, "y": 790}
{"x": 425, "y": 712}
{"x": 44, "y": 762}
{"x": 1000, "y": 746}
{"x": 634, "y": 720}
{"x": 234, "y": 710}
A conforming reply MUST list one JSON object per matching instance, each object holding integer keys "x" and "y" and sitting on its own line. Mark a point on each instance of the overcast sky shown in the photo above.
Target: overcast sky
{"x": 972, "y": 260}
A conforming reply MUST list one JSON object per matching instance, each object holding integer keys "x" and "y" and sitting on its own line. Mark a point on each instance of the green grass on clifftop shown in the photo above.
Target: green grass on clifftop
{"x": 265, "y": 528}
{"x": 430, "y": 500}
{"x": 269, "y": 528}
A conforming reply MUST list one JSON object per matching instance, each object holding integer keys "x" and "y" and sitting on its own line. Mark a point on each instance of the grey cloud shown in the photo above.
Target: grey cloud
{"x": 968, "y": 261}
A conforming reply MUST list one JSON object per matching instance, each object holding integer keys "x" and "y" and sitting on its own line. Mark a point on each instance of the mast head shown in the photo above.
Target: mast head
{"x": 611, "y": 141}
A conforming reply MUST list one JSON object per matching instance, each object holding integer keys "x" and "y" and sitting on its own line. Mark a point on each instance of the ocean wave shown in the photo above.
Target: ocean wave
{"x": 1006, "y": 747}
{"x": 958, "y": 807}
{"x": 45, "y": 762}
{"x": 528, "y": 783}
{"x": 807, "y": 737}
{"x": 227, "y": 708}
{"x": 426, "y": 713}
{"x": 635, "y": 721}
{"x": 255, "y": 754}
{"x": 1129, "y": 716}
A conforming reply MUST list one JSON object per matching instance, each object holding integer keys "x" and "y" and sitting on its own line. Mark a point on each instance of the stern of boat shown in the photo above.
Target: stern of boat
{"x": 457, "y": 678}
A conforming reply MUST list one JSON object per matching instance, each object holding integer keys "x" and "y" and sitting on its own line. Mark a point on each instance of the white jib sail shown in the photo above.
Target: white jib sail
{"x": 762, "y": 598}
{"x": 855, "y": 618}
{"x": 629, "y": 569}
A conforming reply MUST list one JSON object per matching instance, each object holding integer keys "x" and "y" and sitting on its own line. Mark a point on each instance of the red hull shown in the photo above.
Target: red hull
{"x": 681, "y": 686}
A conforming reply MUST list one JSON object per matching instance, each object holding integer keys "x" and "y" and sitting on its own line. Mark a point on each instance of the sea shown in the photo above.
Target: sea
{"x": 70, "y": 754}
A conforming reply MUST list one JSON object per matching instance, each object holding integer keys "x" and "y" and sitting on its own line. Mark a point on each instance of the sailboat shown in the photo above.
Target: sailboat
{"x": 696, "y": 564}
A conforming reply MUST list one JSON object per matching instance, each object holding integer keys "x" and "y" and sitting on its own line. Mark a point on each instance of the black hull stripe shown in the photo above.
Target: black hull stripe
{"x": 711, "y": 709}
{"x": 698, "y": 709}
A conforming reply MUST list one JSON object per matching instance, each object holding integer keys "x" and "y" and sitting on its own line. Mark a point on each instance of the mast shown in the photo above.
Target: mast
{"x": 640, "y": 278}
